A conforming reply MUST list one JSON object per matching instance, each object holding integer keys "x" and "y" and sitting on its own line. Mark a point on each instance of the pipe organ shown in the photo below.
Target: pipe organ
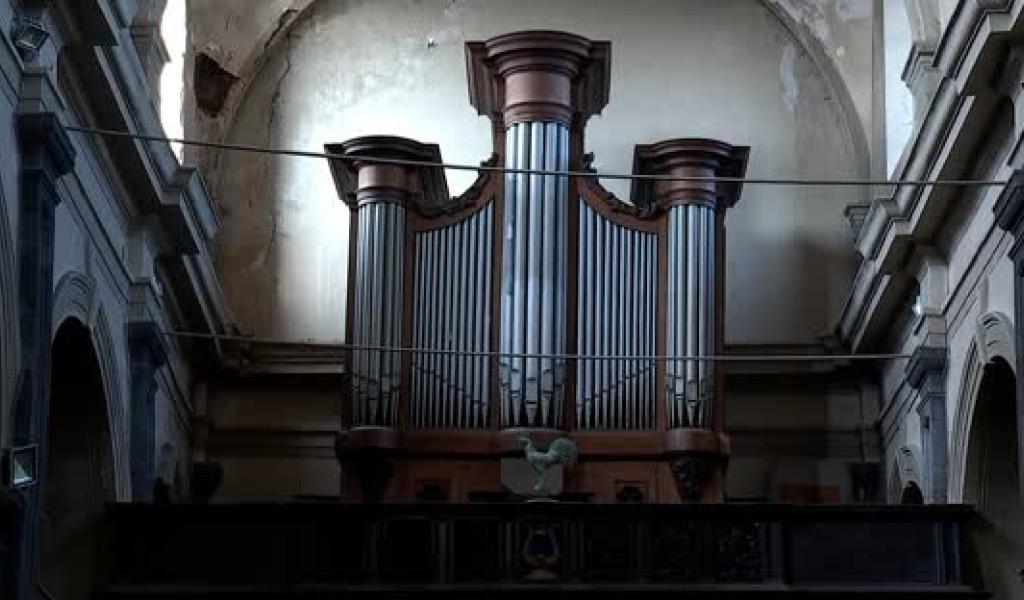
{"x": 535, "y": 301}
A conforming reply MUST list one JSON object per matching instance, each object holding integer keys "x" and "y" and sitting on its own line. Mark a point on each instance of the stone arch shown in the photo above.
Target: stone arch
{"x": 904, "y": 472}
{"x": 75, "y": 298}
{"x": 993, "y": 341}
{"x": 261, "y": 235}
{"x": 10, "y": 338}
{"x": 79, "y": 477}
{"x": 292, "y": 14}
{"x": 991, "y": 481}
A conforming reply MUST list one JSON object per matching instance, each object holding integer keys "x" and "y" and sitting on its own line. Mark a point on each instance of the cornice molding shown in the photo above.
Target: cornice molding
{"x": 1009, "y": 213}
{"x": 423, "y": 189}
{"x": 688, "y": 157}
{"x": 45, "y": 145}
{"x": 539, "y": 76}
{"x": 940, "y": 148}
{"x": 925, "y": 362}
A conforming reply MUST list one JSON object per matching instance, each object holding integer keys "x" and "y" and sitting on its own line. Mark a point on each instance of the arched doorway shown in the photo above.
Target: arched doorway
{"x": 79, "y": 476}
{"x": 990, "y": 483}
{"x": 912, "y": 495}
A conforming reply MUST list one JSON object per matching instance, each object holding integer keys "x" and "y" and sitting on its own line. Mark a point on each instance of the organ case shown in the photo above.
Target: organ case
{"x": 535, "y": 301}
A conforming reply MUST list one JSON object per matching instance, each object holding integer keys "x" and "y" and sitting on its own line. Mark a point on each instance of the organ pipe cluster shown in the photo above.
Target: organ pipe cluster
{"x": 617, "y": 291}
{"x": 528, "y": 268}
{"x": 690, "y": 326}
{"x": 452, "y": 311}
{"x": 534, "y": 276}
{"x": 376, "y": 315}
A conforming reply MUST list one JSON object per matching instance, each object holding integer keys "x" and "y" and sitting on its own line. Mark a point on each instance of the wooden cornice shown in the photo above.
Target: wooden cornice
{"x": 426, "y": 186}
{"x": 585, "y": 63}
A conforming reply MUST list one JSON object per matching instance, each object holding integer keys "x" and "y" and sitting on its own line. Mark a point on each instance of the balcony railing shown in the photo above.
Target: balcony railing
{"x": 491, "y": 549}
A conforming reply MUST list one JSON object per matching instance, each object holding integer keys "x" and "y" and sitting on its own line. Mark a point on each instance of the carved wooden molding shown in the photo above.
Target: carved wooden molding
{"x": 538, "y": 76}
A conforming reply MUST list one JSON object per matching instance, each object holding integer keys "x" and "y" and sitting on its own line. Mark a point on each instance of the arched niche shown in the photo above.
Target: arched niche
{"x": 905, "y": 475}
{"x": 78, "y": 475}
{"x": 76, "y": 297}
{"x": 911, "y": 495}
{"x": 993, "y": 343}
{"x": 990, "y": 482}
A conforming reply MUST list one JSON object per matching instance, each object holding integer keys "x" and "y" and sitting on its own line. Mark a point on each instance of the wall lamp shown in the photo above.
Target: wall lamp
{"x": 28, "y": 35}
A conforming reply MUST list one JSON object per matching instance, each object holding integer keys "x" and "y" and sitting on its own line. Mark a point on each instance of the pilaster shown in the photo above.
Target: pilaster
{"x": 926, "y": 373}
{"x": 146, "y": 355}
{"x": 46, "y": 155}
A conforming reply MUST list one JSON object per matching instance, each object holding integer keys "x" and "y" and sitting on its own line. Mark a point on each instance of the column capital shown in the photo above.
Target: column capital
{"x": 538, "y": 76}
{"x": 1009, "y": 212}
{"x": 423, "y": 188}
{"x": 688, "y": 157}
{"x": 45, "y": 145}
{"x": 145, "y": 344}
{"x": 925, "y": 362}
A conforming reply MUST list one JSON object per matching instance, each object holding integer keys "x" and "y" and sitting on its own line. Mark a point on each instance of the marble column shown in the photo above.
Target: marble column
{"x": 146, "y": 355}
{"x": 46, "y": 155}
{"x": 1009, "y": 212}
{"x": 926, "y": 373}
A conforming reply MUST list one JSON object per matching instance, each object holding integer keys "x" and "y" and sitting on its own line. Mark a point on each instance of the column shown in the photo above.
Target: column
{"x": 695, "y": 444}
{"x": 46, "y": 155}
{"x": 926, "y": 373}
{"x": 146, "y": 355}
{"x": 537, "y": 84}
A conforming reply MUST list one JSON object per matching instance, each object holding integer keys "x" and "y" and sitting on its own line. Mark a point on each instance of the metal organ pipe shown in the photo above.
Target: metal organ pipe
{"x": 533, "y": 276}
{"x": 380, "y": 196}
{"x": 453, "y": 266}
{"x": 617, "y": 309}
{"x": 691, "y": 314}
{"x": 538, "y": 82}
{"x": 692, "y": 276}
{"x": 376, "y": 376}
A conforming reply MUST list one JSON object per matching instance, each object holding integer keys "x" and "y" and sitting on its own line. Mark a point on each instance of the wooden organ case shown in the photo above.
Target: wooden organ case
{"x": 535, "y": 302}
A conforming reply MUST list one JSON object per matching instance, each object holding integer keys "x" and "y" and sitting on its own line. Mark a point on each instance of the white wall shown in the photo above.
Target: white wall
{"x": 899, "y": 103}
{"x": 728, "y": 70}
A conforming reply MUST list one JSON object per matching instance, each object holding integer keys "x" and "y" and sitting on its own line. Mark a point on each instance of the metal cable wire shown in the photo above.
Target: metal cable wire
{"x": 595, "y": 357}
{"x": 583, "y": 174}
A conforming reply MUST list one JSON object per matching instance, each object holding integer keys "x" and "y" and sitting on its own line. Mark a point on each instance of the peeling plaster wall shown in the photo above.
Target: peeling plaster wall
{"x": 236, "y": 34}
{"x": 842, "y": 30}
{"x": 729, "y": 70}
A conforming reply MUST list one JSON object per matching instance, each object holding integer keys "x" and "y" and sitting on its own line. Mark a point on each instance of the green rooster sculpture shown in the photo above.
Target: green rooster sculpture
{"x": 562, "y": 451}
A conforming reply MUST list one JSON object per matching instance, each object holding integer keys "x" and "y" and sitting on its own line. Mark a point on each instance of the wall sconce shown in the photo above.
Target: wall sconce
{"x": 28, "y": 35}
{"x": 21, "y": 466}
